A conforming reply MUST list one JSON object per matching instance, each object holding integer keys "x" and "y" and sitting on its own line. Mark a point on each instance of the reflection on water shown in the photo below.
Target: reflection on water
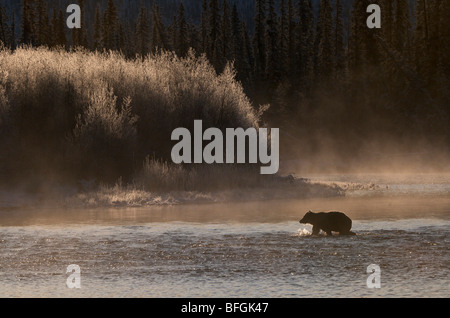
{"x": 228, "y": 250}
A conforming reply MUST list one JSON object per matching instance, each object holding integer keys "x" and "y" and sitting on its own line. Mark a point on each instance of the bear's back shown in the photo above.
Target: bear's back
{"x": 333, "y": 221}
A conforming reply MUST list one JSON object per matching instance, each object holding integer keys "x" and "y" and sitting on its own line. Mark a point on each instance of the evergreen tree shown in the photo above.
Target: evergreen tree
{"x": 194, "y": 39}
{"x": 387, "y": 20}
{"x": 204, "y": 26}
{"x": 324, "y": 54}
{"x": 387, "y": 26}
{"x": 260, "y": 40}
{"x": 273, "y": 72}
{"x": 248, "y": 64}
{"x": 225, "y": 35}
{"x": 79, "y": 36}
{"x": 98, "y": 43}
{"x": 444, "y": 35}
{"x": 215, "y": 48}
{"x": 42, "y": 24}
{"x": 126, "y": 39}
{"x": 436, "y": 33}
{"x": 304, "y": 58}
{"x": 159, "y": 37}
{"x": 238, "y": 50}
{"x": 291, "y": 39}
{"x": 60, "y": 33}
{"x": 284, "y": 40}
{"x": 339, "y": 38}
{"x": 142, "y": 33}
{"x": 181, "y": 32}
{"x": 13, "y": 30}
{"x": 54, "y": 24}
{"x": 356, "y": 48}
{"x": 372, "y": 52}
{"x": 421, "y": 37}
{"x": 402, "y": 25}
{"x": 110, "y": 26}
{"x": 236, "y": 35}
{"x": 5, "y": 37}
{"x": 171, "y": 31}
{"x": 28, "y": 35}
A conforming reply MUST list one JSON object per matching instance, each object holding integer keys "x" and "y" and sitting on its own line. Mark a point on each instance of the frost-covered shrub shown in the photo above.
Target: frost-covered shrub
{"x": 98, "y": 115}
{"x": 105, "y": 135}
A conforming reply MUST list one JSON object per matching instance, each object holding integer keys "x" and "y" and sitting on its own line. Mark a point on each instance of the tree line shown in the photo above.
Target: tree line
{"x": 293, "y": 58}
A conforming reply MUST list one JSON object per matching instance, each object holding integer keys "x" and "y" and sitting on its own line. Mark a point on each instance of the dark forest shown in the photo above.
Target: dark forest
{"x": 341, "y": 93}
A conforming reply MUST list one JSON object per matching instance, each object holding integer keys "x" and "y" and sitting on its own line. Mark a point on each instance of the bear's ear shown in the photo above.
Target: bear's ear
{"x": 309, "y": 211}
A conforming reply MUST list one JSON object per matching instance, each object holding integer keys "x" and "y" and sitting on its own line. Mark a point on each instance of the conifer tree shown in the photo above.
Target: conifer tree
{"x": 159, "y": 37}
{"x": 388, "y": 20}
{"x": 304, "y": 58}
{"x": 284, "y": 40}
{"x": 142, "y": 33}
{"x": 171, "y": 33}
{"x": 238, "y": 45}
{"x": 273, "y": 73}
{"x": 204, "y": 26}
{"x": 225, "y": 35}
{"x": 421, "y": 34}
{"x": 28, "y": 35}
{"x": 387, "y": 34}
{"x": 436, "y": 34}
{"x": 260, "y": 40}
{"x": 126, "y": 39}
{"x": 236, "y": 35}
{"x": 324, "y": 64}
{"x": 39, "y": 23}
{"x": 181, "y": 32}
{"x": 248, "y": 55}
{"x": 372, "y": 52}
{"x": 79, "y": 36}
{"x": 13, "y": 41}
{"x": 98, "y": 45}
{"x": 356, "y": 44}
{"x": 54, "y": 24}
{"x": 444, "y": 35}
{"x": 291, "y": 39}
{"x": 194, "y": 37}
{"x": 402, "y": 25}
{"x": 110, "y": 25}
{"x": 4, "y": 29}
{"x": 60, "y": 33}
{"x": 214, "y": 35}
{"x": 339, "y": 38}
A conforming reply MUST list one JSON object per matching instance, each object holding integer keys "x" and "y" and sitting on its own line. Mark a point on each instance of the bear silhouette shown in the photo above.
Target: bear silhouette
{"x": 328, "y": 222}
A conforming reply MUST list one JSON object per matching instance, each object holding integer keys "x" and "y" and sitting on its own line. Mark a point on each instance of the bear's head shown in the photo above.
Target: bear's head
{"x": 307, "y": 218}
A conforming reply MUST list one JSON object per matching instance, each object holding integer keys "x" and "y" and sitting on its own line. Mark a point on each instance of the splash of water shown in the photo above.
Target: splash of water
{"x": 303, "y": 232}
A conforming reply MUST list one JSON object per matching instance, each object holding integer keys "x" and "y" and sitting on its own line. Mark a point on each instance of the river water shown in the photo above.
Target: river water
{"x": 240, "y": 249}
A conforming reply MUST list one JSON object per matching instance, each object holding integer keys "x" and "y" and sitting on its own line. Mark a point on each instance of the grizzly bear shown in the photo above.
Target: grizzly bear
{"x": 328, "y": 222}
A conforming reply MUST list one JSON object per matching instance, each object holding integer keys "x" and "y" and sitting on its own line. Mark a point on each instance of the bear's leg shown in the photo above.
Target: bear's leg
{"x": 329, "y": 233}
{"x": 315, "y": 230}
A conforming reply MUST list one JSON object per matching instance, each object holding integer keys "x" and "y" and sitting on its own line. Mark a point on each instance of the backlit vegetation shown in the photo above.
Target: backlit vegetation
{"x": 81, "y": 115}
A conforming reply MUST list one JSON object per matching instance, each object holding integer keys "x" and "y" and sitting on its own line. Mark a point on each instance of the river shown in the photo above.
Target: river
{"x": 238, "y": 249}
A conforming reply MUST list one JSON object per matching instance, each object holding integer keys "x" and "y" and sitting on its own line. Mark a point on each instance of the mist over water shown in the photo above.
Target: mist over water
{"x": 235, "y": 249}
